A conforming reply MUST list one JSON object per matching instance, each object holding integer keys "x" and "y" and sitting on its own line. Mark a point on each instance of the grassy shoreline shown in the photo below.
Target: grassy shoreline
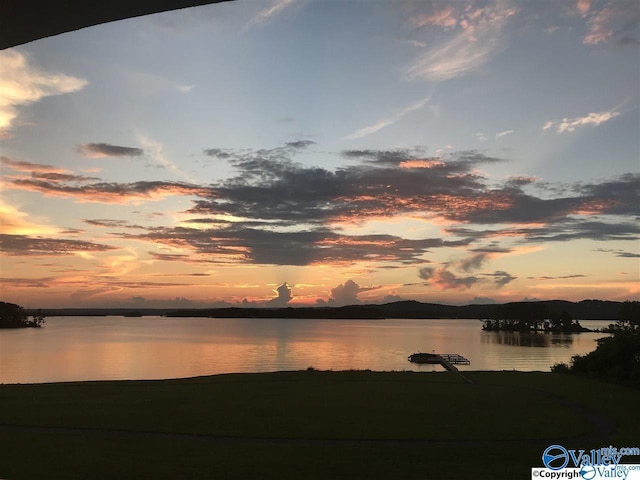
{"x": 308, "y": 424}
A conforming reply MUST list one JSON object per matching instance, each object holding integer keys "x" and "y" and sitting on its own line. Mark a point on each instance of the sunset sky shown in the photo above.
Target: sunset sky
{"x": 325, "y": 153}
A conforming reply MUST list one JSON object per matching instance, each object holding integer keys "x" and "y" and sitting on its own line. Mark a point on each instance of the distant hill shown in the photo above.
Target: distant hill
{"x": 414, "y": 309}
{"x": 584, "y": 310}
{"x": 350, "y": 311}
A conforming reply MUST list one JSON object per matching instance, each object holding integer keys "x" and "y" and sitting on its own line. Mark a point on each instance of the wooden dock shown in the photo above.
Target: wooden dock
{"x": 455, "y": 358}
{"x": 447, "y": 360}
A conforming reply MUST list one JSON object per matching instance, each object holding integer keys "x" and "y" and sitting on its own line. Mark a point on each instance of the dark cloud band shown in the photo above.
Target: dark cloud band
{"x": 94, "y": 150}
{"x": 24, "y": 245}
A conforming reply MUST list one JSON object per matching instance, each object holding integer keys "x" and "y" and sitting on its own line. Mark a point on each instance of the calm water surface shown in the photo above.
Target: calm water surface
{"x": 100, "y": 348}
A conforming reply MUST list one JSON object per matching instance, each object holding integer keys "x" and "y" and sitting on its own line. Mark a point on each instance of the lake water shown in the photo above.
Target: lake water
{"x": 109, "y": 348}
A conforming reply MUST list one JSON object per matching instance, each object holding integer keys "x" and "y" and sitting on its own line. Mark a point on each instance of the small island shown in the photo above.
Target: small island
{"x": 14, "y": 316}
{"x": 531, "y": 317}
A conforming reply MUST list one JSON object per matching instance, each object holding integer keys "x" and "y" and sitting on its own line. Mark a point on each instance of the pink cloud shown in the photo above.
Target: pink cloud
{"x": 22, "y": 166}
{"x": 615, "y": 20}
{"x": 447, "y": 18}
{"x": 583, "y": 7}
{"x": 599, "y": 27}
{"x": 443, "y": 279}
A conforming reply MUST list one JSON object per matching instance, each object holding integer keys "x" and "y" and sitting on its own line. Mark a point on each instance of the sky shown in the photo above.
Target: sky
{"x": 292, "y": 152}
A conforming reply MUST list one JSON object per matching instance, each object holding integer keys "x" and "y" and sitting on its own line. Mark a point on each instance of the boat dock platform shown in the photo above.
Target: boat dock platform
{"x": 447, "y": 360}
{"x": 455, "y": 358}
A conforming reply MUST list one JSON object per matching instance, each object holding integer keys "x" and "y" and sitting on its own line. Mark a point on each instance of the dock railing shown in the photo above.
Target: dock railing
{"x": 454, "y": 358}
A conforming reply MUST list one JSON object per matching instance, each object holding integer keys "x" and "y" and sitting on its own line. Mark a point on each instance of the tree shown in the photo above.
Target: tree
{"x": 518, "y": 316}
{"x": 629, "y": 317}
{"x": 14, "y": 316}
{"x": 617, "y": 358}
{"x": 37, "y": 320}
{"x": 563, "y": 322}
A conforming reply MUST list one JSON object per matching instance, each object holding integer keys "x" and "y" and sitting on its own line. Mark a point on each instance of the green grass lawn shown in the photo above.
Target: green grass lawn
{"x": 307, "y": 425}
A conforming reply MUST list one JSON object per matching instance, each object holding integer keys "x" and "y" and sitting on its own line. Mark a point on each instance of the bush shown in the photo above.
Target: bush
{"x": 560, "y": 368}
{"x": 616, "y": 359}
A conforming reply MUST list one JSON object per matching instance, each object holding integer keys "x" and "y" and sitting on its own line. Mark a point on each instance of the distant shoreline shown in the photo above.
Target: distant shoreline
{"x": 584, "y": 310}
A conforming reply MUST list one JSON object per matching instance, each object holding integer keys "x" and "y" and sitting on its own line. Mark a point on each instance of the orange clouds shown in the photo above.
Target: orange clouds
{"x": 114, "y": 193}
{"x": 13, "y": 221}
{"x": 423, "y": 163}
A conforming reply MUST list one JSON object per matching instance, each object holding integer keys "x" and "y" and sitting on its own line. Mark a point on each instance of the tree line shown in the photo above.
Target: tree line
{"x": 14, "y": 316}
